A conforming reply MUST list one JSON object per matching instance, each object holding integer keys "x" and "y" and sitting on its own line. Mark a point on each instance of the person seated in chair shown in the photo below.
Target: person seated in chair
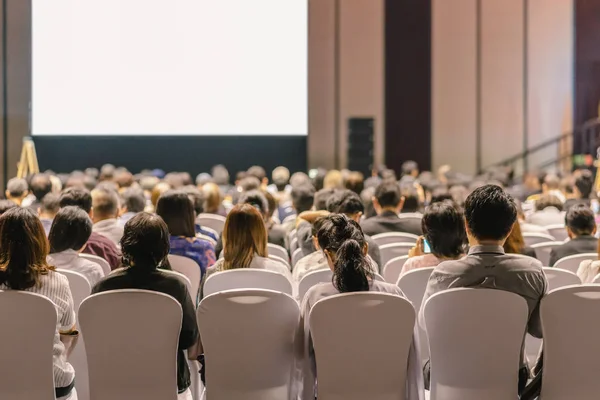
{"x": 388, "y": 204}
{"x": 17, "y": 190}
{"x": 133, "y": 202}
{"x": 581, "y": 227}
{"x": 105, "y": 203}
{"x": 47, "y": 210}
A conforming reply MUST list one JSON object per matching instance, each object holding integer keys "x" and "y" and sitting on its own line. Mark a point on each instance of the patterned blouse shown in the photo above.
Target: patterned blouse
{"x": 201, "y": 251}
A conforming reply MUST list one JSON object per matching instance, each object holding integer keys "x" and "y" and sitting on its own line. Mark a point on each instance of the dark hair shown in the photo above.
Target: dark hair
{"x": 580, "y": 220}
{"x": 548, "y": 200}
{"x": 345, "y": 202}
{"x": 177, "y": 211}
{"x": 197, "y": 198}
{"x": 444, "y": 228}
{"x": 303, "y": 197}
{"x": 6, "y": 205}
{"x": 23, "y": 249}
{"x": 319, "y": 179}
{"x": 257, "y": 172}
{"x": 441, "y": 194}
{"x": 408, "y": 167}
{"x": 145, "y": 241}
{"x": 585, "y": 183}
{"x": 105, "y": 202}
{"x": 388, "y": 194}
{"x": 134, "y": 200}
{"x": 367, "y": 198}
{"x": 17, "y": 187}
{"x": 343, "y": 239}
{"x": 411, "y": 198}
{"x": 71, "y": 229}
{"x": 40, "y": 186}
{"x": 76, "y": 196}
{"x": 256, "y": 199}
{"x": 50, "y": 203}
{"x": 321, "y": 197}
{"x": 355, "y": 181}
{"x": 490, "y": 213}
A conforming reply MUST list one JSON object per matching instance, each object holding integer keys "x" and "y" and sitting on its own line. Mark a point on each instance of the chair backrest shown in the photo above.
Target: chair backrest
{"x": 542, "y": 251}
{"x": 248, "y": 341}
{"x": 98, "y": 260}
{"x": 276, "y": 250}
{"x": 532, "y": 238}
{"x": 313, "y": 278}
{"x": 190, "y": 269}
{"x": 296, "y": 256}
{"x": 558, "y": 278}
{"x": 26, "y": 345}
{"x": 212, "y": 221}
{"x": 281, "y": 260}
{"x": 559, "y": 232}
{"x": 475, "y": 340}
{"x": 394, "y": 237}
{"x": 392, "y": 269}
{"x": 338, "y": 323}
{"x": 80, "y": 286}
{"x": 247, "y": 278}
{"x": 393, "y": 250}
{"x": 131, "y": 339}
{"x": 570, "y": 334}
{"x": 571, "y": 263}
{"x": 294, "y": 245}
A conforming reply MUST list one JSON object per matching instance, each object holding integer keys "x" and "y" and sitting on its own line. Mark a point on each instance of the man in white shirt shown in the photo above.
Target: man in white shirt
{"x": 105, "y": 203}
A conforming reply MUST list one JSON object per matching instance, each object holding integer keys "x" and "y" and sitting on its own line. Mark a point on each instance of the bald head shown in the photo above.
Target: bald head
{"x": 105, "y": 203}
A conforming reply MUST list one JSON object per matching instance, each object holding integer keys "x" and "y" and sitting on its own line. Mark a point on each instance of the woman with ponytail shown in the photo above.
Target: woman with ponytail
{"x": 343, "y": 244}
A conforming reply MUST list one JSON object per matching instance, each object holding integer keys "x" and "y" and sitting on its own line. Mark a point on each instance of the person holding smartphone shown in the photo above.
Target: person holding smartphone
{"x": 444, "y": 237}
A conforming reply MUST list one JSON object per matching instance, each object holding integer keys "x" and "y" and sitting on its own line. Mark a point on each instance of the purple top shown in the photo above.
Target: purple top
{"x": 198, "y": 250}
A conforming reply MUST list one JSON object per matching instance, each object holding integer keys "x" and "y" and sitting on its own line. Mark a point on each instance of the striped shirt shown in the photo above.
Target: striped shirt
{"x": 55, "y": 287}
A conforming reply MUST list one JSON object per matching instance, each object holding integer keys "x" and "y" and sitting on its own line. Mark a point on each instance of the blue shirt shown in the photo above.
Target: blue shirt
{"x": 201, "y": 251}
{"x": 205, "y": 232}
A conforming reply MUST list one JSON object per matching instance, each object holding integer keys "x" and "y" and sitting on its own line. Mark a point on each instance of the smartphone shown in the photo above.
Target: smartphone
{"x": 426, "y": 247}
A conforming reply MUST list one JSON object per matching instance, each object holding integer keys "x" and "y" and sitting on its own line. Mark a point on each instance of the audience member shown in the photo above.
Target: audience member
{"x": 158, "y": 191}
{"x": 145, "y": 246}
{"x": 366, "y": 196}
{"x": 281, "y": 180}
{"x": 213, "y": 200}
{"x": 412, "y": 202}
{"x": 343, "y": 245}
{"x": 97, "y": 244}
{"x": 276, "y": 234}
{"x": 515, "y": 244}
{"x": 318, "y": 178}
{"x": 490, "y": 215}
{"x": 221, "y": 178}
{"x": 300, "y": 179}
{"x": 6, "y": 205}
{"x": 527, "y": 227}
{"x": 107, "y": 172}
{"x": 124, "y": 180}
{"x": 582, "y": 190}
{"x": 551, "y": 186}
{"x": 70, "y": 232}
{"x": 47, "y": 211}
{"x": 581, "y": 226}
{"x": 202, "y": 179}
{"x": 303, "y": 197}
{"x": 105, "y": 203}
{"x": 16, "y": 190}
{"x": 40, "y": 185}
{"x": 333, "y": 180}
{"x": 23, "y": 266}
{"x": 410, "y": 168}
{"x": 589, "y": 269}
{"x": 388, "y": 204}
{"x": 444, "y": 231}
{"x": 259, "y": 173}
{"x": 177, "y": 210}
{"x": 549, "y": 211}
{"x": 245, "y": 243}
{"x": 355, "y": 182}
{"x": 132, "y": 202}
{"x": 198, "y": 200}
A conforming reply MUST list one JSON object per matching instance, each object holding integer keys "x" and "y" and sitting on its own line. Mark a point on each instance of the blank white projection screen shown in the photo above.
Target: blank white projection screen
{"x": 169, "y": 67}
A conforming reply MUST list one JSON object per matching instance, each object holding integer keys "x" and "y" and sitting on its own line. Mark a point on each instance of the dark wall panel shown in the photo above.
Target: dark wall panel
{"x": 407, "y": 82}
{"x": 587, "y": 60}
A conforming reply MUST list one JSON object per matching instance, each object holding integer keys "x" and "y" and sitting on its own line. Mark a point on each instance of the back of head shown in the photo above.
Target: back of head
{"x": 244, "y": 235}
{"x": 552, "y": 182}
{"x": 145, "y": 242}
{"x": 585, "y": 183}
{"x": 300, "y": 179}
{"x": 321, "y": 197}
{"x": 411, "y": 198}
{"x": 333, "y": 180}
{"x": 220, "y": 175}
{"x": 202, "y": 179}
{"x": 580, "y": 220}
{"x": 175, "y": 180}
{"x": 133, "y": 200}
{"x": 355, "y": 182}
{"x": 158, "y": 191}
{"x": 318, "y": 178}
{"x": 197, "y": 198}
{"x": 50, "y": 204}
{"x": 258, "y": 172}
{"x": 249, "y": 183}
{"x": 70, "y": 229}
{"x": 40, "y": 186}
{"x": 107, "y": 172}
{"x": 23, "y": 249}
{"x": 548, "y": 200}
{"x": 388, "y": 195}
{"x": 257, "y": 200}
{"x": 441, "y": 194}
{"x": 367, "y": 198}
{"x": 76, "y": 196}
{"x": 212, "y": 197}
{"x": 177, "y": 210}
{"x": 345, "y": 202}
{"x": 303, "y": 197}
{"x": 124, "y": 179}
{"x": 17, "y": 188}
{"x": 6, "y": 205}
{"x": 410, "y": 168}
{"x": 281, "y": 177}
{"x": 344, "y": 245}
{"x": 490, "y": 213}
{"x": 444, "y": 228}
{"x": 105, "y": 203}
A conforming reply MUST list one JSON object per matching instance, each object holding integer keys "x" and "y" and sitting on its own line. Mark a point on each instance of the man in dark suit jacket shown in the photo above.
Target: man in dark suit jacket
{"x": 581, "y": 228}
{"x": 388, "y": 204}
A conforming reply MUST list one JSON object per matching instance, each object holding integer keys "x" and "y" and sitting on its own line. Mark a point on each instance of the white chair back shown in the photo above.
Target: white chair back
{"x": 475, "y": 340}
{"x": 542, "y": 251}
{"x": 281, "y": 261}
{"x": 246, "y": 278}
{"x": 26, "y": 345}
{"x": 313, "y": 278}
{"x": 212, "y": 221}
{"x": 570, "y": 335}
{"x": 80, "y": 289}
{"x": 98, "y": 260}
{"x": 391, "y": 251}
{"x": 394, "y": 237}
{"x": 532, "y": 238}
{"x": 559, "y": 232}
{"x": 294, "y": 245}
{"x": 382, "y": 370}
{"x": 571, "y": 263}
{"x": 131, "y": 339}
{"x": 190, "y": 269}
{"x": 275, "y": 250}
{"x": 596, "y": 279}
{"x": 250, "y": 353}
{"x": 296, "y": 256}
{"x": 393, "y": 268}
